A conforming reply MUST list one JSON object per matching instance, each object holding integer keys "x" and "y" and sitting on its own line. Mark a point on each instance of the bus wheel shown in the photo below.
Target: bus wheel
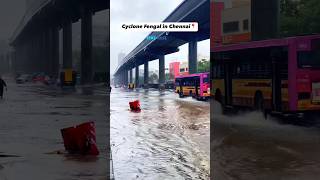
{"x": 218, "y": 96}
{"x": 259, "y": 102}
{"x": 181, "y": 94}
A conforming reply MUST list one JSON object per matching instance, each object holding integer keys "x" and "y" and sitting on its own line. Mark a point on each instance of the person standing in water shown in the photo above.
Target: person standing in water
{"x": 2, "y": 85}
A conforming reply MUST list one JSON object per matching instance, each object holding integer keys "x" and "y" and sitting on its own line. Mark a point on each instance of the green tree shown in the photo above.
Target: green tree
{"x": 299, "y": 17}
{"x": 203, "y": 66}
{"x": 168, "y": 77}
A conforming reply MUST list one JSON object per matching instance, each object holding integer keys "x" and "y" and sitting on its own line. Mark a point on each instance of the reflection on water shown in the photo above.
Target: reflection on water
{"x": 246, "y": 146}
{"x": 168, "y": 139}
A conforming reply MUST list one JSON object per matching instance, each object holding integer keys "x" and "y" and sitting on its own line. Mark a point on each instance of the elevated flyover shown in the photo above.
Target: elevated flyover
{"x": 36, "y": 39}
{"x": 165, "y": 43}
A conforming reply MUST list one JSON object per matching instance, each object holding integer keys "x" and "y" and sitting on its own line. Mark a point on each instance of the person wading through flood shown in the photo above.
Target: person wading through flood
{"x": 2, "y": 85}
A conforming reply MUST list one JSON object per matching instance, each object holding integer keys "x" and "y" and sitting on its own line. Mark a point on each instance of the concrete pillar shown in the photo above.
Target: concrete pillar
{"x": 162, "y": 75}
{"x": 121, "y": 78}
{"x": 43, "y": 45}
{"x": 18, "y": 60}
{"x": 40, "y": 53}
{"x": 130, "y": 76}
{"x": 24, "y": 58}
{"x": 33, "y": 54}
{"x": 48, "y": 51}
{"x": 146, "y": 74}
{"x": 67, "y": 45}
{"x": 126, "y": 80}
{"x": 36, "y": 52}
{"x": 137, "y": 76}
{"x": 193, "y": 46}
{"x": 29, "y": 55}
{"x": 55, "y": 52}
{"x": 86, "y": 47}
{"x": 125, "y": 77}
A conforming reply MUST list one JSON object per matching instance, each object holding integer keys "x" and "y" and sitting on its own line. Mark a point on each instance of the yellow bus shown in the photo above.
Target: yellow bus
{"x": 279, "y": 75}
{"x": 195, "y": 85}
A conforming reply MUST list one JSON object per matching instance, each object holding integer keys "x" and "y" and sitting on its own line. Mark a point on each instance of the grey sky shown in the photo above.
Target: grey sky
{"x": 126, "y": 11}
{"x": 11, "y": 12}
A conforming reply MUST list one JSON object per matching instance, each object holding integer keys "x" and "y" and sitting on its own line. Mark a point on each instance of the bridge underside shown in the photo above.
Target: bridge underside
{"x": 36, "y": 40}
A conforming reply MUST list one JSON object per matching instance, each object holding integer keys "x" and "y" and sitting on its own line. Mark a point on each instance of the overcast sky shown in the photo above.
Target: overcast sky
{"x": 126, "y": 11}
{"x": 11, "y": 12}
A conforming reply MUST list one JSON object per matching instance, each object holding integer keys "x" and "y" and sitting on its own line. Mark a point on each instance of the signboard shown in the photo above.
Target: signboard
{"x": 236, "y": 38}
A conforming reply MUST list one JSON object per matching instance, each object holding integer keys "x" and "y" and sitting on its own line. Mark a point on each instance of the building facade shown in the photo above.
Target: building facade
{"x": 231, "y": 21}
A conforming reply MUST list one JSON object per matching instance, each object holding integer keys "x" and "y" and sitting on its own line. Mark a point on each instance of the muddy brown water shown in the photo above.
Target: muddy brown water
{"x": 168, "y": 139}
{"x": 30, "y": 124}
{"x": 248, "y": 147}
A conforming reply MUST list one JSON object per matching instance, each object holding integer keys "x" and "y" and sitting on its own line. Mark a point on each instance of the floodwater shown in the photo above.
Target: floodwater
{"x": 168, "y": 139}
{"x": 248, "y": 147}
{"x": 31, "y": 116}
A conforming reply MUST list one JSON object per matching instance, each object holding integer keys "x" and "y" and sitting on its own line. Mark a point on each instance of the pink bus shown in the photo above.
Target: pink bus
{"x": 279, "y": 75}
{"x": 195, "y": 85}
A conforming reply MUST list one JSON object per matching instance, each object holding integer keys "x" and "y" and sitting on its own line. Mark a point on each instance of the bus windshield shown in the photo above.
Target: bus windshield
{"x": 309, "y": 59}
{"x": 177, "y": 82}
{"x": 205, "y": 80}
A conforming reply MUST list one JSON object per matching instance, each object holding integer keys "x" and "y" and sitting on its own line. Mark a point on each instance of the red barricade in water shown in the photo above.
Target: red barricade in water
{"x": 87, "y": 138}
{"x": 69, "y": 139}
{"x": 80, "y": 139}
{"x": 135, "y": 105}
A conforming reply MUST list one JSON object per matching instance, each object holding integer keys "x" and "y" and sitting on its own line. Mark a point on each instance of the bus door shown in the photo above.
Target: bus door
{"x": 276, "y": 80}
{"x": 228, "y": 68}
{"x": 197, "y": 80}
{"x": 181, "y": 86}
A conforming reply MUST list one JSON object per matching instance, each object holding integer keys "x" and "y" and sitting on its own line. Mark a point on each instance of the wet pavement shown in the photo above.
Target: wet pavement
{"x": 168, "y": 139}
{"x": 31, "y": 116}
{"x": 248, "y": 147}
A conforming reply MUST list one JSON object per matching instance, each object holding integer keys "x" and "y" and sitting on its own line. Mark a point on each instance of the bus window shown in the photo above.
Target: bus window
{"x": 178, "y": 82}
{"x": 189, "y": 81}
{"x": 309, "y": 59}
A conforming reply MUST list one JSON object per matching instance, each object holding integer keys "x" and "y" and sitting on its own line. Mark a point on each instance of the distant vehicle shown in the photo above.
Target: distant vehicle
{"x": 23, "y": 78}
{"x": 169, "y": 85}
{"x": 49, "y": 81}
{"x": 195, "y": 85}
{"x": 38, "y": 77}
{"x": 68, "y": 77}
{"x": 131, "y": 86}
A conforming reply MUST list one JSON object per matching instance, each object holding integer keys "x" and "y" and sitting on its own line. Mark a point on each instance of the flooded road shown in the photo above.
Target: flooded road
{"x": 31, "y": 116}
{"x": 248, "y": 147}
{"x": 168, "y": 139}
